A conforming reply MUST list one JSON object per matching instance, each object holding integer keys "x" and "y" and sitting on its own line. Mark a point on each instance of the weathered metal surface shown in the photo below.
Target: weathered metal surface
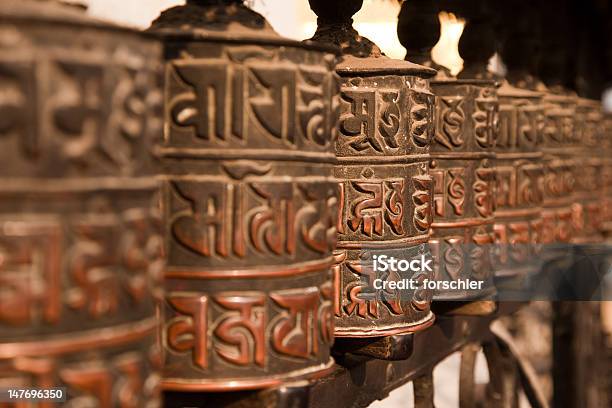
{"x": 385, "y": 129}
{"x": 462, "y": 166}
{"x": 518, "y": 214}
{"x": 520, "y": 172}
{"x": 589, "y": 171}
{"x": 393, "y": 347}
{"x": 80, "y": 249}
{"x": 560, "y": 215}
{"x": 249, "y": 201}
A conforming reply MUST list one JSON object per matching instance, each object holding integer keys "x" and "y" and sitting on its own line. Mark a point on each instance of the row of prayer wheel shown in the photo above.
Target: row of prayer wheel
{"x": 196, "y": 208}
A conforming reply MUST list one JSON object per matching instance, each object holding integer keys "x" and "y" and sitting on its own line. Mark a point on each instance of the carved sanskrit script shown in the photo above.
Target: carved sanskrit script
{"x": 84, "y": 129}
{"x": 520, "y": 124}
{"x": 358, "y": 302}
{"x": 484, "y": 186}
{"x": 423, "y": 186}
{"x": 449, "y": 190}
{"x": 302, "y": 325}
{"x": 486, "y": 118}
{"x": 372, "y": 123}
{"x": 464, "y": 181}
{"x": 375, "y": 207}
{"x": 364, "y": 126}
{"x": 451, "y": 120}
{"x": 125, "y": 376}
{"x": 81, "y": 256}
{"x": 109, "y": 258}
{"x": 30, "y": 273}
{"x": 242, "y": 94}
{"x": 235, "y": 219}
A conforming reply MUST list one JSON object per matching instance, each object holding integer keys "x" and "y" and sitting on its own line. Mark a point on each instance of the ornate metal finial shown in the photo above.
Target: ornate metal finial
{"x": 477, "y": 44}
{"x": 335, "y": 26}
{"x": 335, "y": 12}
{"x": 418, "y": 29}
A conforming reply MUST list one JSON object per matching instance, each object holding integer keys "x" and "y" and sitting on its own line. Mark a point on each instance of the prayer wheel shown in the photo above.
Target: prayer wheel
{"x": 384, "y": 132}
{"x": 589, "y": 171}
{"x": 518, "y": 221}
{"x": 463, "y": 168}
{"x": 562, "y": 215}
{"x": 249, "y": 200}
{"x": 80, "y": 243}
{"x": 463, "y": 161}
{"x": 461, "y": 158}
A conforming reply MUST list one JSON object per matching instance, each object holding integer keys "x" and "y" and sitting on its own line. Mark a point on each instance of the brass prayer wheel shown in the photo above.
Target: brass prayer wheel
{"x": 589, "y": 171}
{"x": 80, "y": 245}
{"x": 463, "y": 168}
{"x": 518, "y": 195}
{"x": 463, "y": 161}
{"x": 384, "y": 132}
{"x": 249, "y": 201}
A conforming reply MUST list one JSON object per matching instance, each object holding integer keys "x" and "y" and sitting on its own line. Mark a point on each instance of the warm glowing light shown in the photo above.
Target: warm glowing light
{"x": 383, "y": 34}
{"x": 132, "y": 12}
{"x": 607, "y": 105}
{"x": 377, "y": 20}
{"x": 446, "y": 51}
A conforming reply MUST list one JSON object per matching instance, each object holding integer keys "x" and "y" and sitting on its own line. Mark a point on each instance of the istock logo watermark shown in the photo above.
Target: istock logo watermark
{"x": 384, "y": 263}
{"x": 408, "y": 272}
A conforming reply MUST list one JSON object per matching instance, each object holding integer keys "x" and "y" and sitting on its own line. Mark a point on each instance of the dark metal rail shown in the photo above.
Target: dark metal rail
{"x": 357, "y": 381}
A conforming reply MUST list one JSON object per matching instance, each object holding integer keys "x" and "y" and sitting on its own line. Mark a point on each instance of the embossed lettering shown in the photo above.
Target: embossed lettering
{"x": 241, "y": 330}
{"x": 187, "y": 331}
{"x": 295, "y": 333}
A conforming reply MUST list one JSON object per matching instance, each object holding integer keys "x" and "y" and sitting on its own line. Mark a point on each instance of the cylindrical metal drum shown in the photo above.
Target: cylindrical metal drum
{"x": 518, "y": 196}
{"x": 80, "y": 249}
{"x": 249, "y": 201}
{"x": 560, "y": 217}
{"x": 463, "y": 168}
{"x": 588, "y": 171}
{"x": 385, "y": 130}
